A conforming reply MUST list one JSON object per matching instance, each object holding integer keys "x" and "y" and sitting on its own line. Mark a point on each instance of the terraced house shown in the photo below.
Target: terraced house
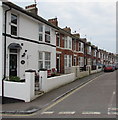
{"x": 30, "y": 42}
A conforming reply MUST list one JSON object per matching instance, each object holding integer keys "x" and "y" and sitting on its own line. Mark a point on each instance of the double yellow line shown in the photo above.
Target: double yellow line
{"x": 63, "y": 98}
{"x": 58, "y": 101}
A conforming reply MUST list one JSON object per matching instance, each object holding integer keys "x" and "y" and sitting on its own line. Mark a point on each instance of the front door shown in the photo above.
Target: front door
{"x": 13, "y": 65}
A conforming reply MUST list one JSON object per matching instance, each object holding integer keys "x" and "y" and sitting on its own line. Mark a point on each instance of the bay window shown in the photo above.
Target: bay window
{"x": 44, "y": 60}
{"x": 65, "y": 43}
{"x": 81, "y": 61}
{"x": 47, "y": 60}
{"x": 40, "y": 60}
{"x": 81, "y": 47}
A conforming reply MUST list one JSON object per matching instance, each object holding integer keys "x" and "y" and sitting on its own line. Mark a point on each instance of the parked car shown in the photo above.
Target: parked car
{"x": 116, "y": 66}
{"x": 109, "y": 68}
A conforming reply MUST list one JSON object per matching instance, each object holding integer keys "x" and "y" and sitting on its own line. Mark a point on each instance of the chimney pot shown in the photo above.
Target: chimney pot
{"x": 32, "y": 8}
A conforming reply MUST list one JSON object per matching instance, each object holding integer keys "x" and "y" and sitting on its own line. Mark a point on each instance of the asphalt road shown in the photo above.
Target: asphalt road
{"x": 95, "y": 99}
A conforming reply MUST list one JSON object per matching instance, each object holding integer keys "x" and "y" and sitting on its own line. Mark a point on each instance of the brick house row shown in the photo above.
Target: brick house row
{"x": 72, "y": 50}
{"x": 30, "y": 42}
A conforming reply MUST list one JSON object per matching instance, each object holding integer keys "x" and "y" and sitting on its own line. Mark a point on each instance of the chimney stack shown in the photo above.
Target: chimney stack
{"x": 54, "y": 21}
{"x": 32, "y": 8}
{"x": 68, "y": 29}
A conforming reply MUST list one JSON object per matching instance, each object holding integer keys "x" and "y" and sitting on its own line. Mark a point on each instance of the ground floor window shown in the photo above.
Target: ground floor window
{"x": 74, "y": 60}
{"x": 89, "y": 61}
{"x": 44, "y": 60}
{"x": 81, "y": 61}
{"x": 47, "y": 60}
{"x": 94, "y": 62}
{"x": 67, "y": 60}
{"x": 40, "y": 60}
{"x": 70, "y": 61}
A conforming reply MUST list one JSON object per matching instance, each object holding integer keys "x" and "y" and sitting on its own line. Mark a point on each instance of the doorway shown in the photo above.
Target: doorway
{"x": 13, "y": 65}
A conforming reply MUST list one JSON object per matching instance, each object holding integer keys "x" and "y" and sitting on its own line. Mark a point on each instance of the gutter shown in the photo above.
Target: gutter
{"x": 4, "y": 55}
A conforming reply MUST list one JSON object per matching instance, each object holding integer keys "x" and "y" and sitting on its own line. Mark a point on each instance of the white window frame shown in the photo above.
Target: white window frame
{"x": 89, "y": 50}
{"x": 81, "y": 61}
{"x": 65, "y": 42}
{"x": 40, "y": 60}
{"x": 69, "y": 60}
{"x": 44, "y": 60}
{"x": 14, "y": 25}
{"x": 41, "y": 32}
{"x": 81, "y": 47}
{"x": 69, "y": 43}
{"x": 65, "y": 61}
{"x": 49, "y": 35}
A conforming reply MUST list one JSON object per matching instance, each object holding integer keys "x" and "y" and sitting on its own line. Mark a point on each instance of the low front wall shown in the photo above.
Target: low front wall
{"x": 93, "y": 71}
{"x": 15, "y": 90}
{"x": 49, "y": 84}
{"x": 83, "y": 74}
{"x": 23, "y": 91}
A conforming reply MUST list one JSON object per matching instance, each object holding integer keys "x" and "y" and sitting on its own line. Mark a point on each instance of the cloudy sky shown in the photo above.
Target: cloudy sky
{"x": 94, "y": 20}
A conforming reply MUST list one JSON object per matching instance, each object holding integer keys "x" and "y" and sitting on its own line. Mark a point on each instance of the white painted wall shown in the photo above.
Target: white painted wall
{"x": 24, "y": 91}
{"x": 1, "y": 47}
{"x": 48, "y": 84}
{"x": 28, "y": 28}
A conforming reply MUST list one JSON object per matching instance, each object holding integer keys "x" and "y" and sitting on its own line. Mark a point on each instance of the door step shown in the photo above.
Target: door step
{"x": 39, "y": 92}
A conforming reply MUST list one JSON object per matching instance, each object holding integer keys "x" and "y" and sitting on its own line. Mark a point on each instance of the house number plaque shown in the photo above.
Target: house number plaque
{"x": 22, "y": 62}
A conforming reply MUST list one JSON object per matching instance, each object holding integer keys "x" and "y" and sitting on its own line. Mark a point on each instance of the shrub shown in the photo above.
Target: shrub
{"x": 14, "y": 79}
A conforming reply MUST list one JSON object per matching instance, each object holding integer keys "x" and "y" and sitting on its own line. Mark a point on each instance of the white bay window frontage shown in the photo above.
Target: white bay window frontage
{"x": 68, "y": 42}
{"x": 44, "y": 60}
{"x": 67, "y": 61}
{"x": 81, "y": 61}
{"x": 81, "y": 47}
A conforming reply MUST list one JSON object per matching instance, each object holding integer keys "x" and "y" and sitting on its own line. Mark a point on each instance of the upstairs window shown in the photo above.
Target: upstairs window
{"x": 58, "y": 40}
{"x": 47, "y": 34}
{"x": 95, "y": 53}
{"x": 65, "y": 43}
{"x": 81, "y": 47}
{"x": 70, "y": 44}
{"x": 74, "y": 46}
{"x": 89, "y": 50}
{"x": 13, "y": 24}
{"x": 40, "y": 32}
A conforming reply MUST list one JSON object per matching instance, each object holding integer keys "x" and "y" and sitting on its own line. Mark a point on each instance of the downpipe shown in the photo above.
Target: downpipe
{"x": 4, "y": 77}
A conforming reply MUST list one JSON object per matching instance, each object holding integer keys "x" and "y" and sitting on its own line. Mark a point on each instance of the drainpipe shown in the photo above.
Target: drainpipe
{"x": 4, "y": 55}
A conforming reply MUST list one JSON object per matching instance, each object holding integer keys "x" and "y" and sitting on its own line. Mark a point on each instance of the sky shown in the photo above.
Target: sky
{"x": 93, "y": 19}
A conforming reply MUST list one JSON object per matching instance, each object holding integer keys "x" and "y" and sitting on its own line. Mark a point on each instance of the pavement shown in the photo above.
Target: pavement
{"x": 13, "y": 106}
